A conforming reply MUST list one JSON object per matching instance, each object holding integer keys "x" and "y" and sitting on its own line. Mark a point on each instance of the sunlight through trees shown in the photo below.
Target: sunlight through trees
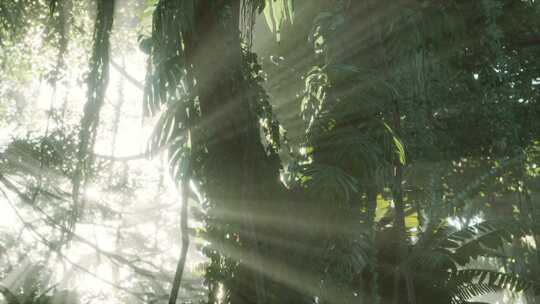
{"x": 269, "y": 151}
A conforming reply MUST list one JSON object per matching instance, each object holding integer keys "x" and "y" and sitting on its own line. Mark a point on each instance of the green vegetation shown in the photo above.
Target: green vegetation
{"x": 270, "y": 151}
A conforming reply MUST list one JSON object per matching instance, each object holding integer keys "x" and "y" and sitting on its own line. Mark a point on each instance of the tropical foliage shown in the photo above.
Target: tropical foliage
{"x": 269, "y": 151}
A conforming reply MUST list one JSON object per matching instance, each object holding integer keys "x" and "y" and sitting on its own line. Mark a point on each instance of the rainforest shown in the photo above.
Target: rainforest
{"x": 270, "y": 151}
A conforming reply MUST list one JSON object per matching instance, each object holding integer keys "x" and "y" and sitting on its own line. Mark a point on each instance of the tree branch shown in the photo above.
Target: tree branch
{"x": 47, "y": 243}
{"x": 145, "y": 155}
{"x": 112, "y": 256}
{"x": 124, "y": 73}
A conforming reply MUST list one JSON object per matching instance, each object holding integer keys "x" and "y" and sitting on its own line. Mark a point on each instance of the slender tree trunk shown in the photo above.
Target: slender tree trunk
{"x": 185, "y": 242}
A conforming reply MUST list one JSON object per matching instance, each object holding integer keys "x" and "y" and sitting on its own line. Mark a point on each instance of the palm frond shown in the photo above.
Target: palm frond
{"x": 469, "y": 291}
{"x": 488, "y": 280}
{"x": 329, "y": 180}
{"x": 470, "y": 242}
{"x": 165, "y": 69}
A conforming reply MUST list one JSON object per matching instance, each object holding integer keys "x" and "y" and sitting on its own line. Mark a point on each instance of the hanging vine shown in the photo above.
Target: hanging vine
{"x": 98, "y": 78}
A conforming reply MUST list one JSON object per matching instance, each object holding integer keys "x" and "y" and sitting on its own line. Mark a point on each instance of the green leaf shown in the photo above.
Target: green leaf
{"x": 277, "y": 13}
{"x": 398, "y": 145}
{"x": 382, "y": 208}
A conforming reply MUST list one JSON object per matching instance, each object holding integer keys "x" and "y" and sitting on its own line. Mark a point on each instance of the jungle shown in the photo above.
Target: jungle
{"x": 270, "y": 151}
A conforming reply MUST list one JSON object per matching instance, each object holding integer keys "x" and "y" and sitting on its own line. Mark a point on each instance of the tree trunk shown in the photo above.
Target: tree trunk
{"x": 241, "y": 182}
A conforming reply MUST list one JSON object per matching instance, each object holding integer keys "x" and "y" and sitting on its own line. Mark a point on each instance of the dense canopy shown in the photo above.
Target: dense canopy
{"x": 269, "y": 151}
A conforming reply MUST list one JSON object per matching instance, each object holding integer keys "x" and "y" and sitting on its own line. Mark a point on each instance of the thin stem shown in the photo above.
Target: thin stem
{"x": 185, "y": 240}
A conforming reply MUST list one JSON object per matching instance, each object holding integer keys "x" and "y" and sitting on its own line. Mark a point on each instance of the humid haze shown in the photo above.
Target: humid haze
{"x": 269, "y": 151}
